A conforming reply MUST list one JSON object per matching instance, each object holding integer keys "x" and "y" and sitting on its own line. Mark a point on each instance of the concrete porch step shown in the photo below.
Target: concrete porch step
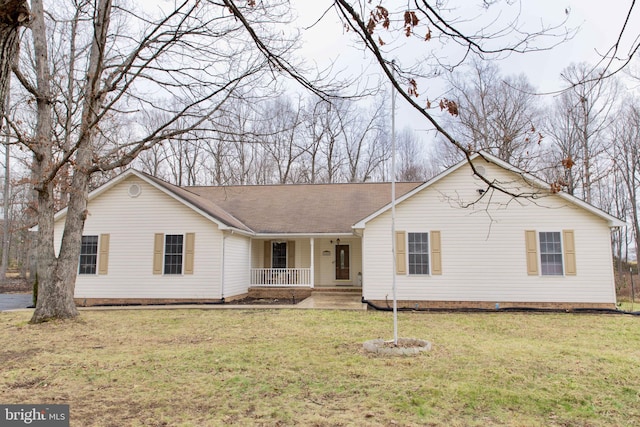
{"x": 338, "y": 289}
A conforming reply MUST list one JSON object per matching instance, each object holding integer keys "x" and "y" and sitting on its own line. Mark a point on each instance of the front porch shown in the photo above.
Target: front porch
{"x": 312, "y": 263}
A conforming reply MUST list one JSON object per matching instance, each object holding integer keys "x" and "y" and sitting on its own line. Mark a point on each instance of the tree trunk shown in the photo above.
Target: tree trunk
{"x": 6, "y": 230}
{"x": 57, "y": 275}
{"x": 13, "y": 14}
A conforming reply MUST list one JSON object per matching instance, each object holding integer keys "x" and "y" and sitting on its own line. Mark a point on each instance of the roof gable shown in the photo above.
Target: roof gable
{"x": 204, "y": 207}
{"x": 539, "y": 185}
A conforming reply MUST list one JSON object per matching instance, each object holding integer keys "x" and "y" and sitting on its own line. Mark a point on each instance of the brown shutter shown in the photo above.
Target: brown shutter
{"x": 291, "y": 254}
{"x": 401, "y": 253}
{"x": 189, "y": 253}
{"x": 436, "y": 254}
{"x": 103, "y": 254}
{"x": 532, "y": 252}
{"x": 158, "y": 244}
{"x": 267, "y": 254}
{"x": 569, "y": 243}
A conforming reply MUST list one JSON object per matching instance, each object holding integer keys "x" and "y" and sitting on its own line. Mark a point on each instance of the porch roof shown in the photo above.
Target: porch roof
{"x": 301, "y": 208}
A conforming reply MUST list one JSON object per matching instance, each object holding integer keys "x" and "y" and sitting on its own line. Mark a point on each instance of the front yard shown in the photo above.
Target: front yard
{"x": 307, "y": 367}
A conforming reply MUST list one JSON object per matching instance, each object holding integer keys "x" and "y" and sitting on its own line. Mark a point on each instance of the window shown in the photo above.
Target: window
{"x": 173, "y": 249}
{"x": 551, "y": 253}
{"x": 418, "y": 253}
{"x": 279, "y": 255}
{"x": 88, "y": 255}
{"x": 174, "y": 253}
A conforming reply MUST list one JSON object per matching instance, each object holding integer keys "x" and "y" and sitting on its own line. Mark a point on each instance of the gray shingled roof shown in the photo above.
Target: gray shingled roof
{"x": 300, "y": 208}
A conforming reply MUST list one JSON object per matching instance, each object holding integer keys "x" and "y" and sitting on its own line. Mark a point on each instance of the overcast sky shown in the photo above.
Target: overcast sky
{"x": 597, "y": 23}
{"x": 597, "y": 27}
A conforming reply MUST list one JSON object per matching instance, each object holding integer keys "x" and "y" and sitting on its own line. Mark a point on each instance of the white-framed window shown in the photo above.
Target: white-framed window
{"x": 418, "y": 251}
{"x": 88, "y": 255}
{"x": 173, "y": 253}
{"x": 551, "y": 253}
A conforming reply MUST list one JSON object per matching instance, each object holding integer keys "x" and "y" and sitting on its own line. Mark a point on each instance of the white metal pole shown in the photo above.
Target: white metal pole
{"x": 393, "y": 204}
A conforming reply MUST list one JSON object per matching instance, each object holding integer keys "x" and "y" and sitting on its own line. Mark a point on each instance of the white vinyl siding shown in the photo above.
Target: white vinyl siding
{"x": 132, "y": 224}
{"x": 483, "y": 256}
{"x": 237, "y": 274}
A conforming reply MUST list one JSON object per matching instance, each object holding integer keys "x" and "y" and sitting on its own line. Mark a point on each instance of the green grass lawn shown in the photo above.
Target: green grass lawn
{"x": 307, "y": 367}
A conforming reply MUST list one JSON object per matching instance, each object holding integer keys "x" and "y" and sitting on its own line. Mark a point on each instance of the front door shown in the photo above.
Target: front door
{"x": 342, "y": 262}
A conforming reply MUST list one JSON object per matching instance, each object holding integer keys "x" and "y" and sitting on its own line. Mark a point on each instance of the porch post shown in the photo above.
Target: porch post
{"x": 312, "y": 242}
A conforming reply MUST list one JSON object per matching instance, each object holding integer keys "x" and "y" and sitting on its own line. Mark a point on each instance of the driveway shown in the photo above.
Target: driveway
{"x": 13, "y": 301}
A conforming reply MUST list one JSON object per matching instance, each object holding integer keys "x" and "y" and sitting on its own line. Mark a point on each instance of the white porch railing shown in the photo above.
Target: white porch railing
{"x": 281, "y": 277}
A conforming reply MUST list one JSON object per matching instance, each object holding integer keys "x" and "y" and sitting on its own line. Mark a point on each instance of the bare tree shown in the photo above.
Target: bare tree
{"x": 577, "y": 129}
{"x": 279, "y": 132}
{"x": 316, "y": 129}
{"x": 626, "y": 155}
{"x": 185, "y": 63}
{"x": 496, "y": 113}
{"x": 411, "y": 159}
{"x": 365, "y": 148}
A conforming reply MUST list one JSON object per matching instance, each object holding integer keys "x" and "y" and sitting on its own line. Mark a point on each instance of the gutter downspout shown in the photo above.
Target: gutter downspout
{"x": 222, "y": 269}
{"x": 312, "y": 278}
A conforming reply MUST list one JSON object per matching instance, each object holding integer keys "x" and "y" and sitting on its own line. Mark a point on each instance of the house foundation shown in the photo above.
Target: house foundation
{"x": 488, "y": 305}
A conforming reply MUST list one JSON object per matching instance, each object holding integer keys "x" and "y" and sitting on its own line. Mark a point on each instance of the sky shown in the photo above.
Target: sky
{"x": 597, "y": 26}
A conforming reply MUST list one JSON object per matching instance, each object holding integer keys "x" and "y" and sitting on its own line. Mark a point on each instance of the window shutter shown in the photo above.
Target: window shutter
{"x": 569, "y": 243}
{"x": 401, "y": 253}
{"x": 189, "y": 253}
{"x": 158, "y": 244}
{"x": 103, "y": 254}
{"x": 436, "y": 254}
{"x": 532, "y": 252}
{"x": 291, "y": 254}
{"x": 267, "y": 254}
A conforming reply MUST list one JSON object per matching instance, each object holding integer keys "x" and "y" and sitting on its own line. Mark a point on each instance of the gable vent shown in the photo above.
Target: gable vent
{"x": 134, "y": 190}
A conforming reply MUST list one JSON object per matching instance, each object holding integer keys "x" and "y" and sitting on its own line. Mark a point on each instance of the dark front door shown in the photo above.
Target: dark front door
{"x": 342, "y": 262}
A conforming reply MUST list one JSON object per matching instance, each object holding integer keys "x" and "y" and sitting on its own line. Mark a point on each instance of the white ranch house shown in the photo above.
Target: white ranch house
{"x": 459, "y": 244}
